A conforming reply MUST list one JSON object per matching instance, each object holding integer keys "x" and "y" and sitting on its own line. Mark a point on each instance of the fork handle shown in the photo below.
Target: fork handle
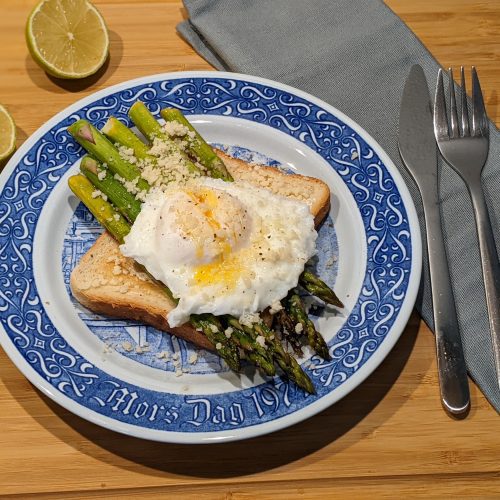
{"x": 452, "y": 373}
{"x": 490, "y": 265}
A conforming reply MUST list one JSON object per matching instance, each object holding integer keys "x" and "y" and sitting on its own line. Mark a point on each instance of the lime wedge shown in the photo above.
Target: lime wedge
{"x": 7, "y": 134}
{"x": 67, "y": 38}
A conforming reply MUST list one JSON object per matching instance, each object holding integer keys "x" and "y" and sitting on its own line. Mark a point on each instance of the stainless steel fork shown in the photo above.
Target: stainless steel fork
{"x": 465, "y": 148}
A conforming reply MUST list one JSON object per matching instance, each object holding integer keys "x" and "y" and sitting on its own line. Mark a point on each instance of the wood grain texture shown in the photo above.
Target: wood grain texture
{"x": 388, "y": 438}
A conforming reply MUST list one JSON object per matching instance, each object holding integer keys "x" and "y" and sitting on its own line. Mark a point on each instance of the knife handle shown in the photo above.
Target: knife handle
{"x": 452, "y": 372}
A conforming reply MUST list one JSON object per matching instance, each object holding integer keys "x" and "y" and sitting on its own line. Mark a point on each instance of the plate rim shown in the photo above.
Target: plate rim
{"x": 282, "y": 422}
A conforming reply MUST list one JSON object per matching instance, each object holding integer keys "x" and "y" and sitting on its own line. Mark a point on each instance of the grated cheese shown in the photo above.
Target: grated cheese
{"x": 127, "y": 346}
{"x": 248, "y": 319}
{"x": 275, "y": 307}
{"x": 261, "y": 341}
{"x": 175, "y": 129}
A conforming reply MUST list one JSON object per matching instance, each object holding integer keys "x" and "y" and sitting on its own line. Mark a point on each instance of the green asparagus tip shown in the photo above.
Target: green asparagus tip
{"x": 300, "y": 377}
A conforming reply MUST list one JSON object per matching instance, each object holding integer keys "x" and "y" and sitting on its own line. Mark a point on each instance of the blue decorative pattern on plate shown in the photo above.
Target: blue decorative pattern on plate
{"x": 62, "y": 348}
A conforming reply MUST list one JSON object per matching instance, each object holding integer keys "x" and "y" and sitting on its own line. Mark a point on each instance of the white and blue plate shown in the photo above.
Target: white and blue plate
{"x": 369, "y": 249}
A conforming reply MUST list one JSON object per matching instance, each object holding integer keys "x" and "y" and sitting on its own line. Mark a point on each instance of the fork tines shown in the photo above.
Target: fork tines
{"x": 452, "y": 130}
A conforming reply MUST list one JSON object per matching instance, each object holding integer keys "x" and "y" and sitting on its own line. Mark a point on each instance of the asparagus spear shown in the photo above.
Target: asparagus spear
{"x": 124, "y": 201}
{"x": 315, "y": 339}
{"x": 100, "y": 147}
{"x": 243, "y": 341}
{"x": 286, "y": 362}
{"x": 250, "y": 335}
{"x": 102, "y": 210}
{"x": 316, "y": 286}
{"x": 254, "y": 351}
{"x": 119, "y": 133}
{"x": 145, "y": 121}
{"x": 212, "y": 328}
{"x": 288, "y": 328}
{"x": 198, "y": 147}
{"x": 150, "y": 128}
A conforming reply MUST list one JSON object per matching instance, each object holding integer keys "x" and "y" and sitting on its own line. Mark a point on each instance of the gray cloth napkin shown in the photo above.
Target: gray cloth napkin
{"x": 356, "y": 55}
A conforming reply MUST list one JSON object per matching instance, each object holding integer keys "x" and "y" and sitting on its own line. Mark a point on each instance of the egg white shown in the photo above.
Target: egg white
{"x": 222, "y": 247}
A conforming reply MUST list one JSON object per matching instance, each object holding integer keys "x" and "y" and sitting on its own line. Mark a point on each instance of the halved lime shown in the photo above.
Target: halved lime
{"x": 7, "y": 134}
{"x": 67, "y": 38}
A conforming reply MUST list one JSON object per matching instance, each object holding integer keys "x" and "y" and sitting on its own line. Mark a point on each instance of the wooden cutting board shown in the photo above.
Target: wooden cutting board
{"x": 388, "y": 438}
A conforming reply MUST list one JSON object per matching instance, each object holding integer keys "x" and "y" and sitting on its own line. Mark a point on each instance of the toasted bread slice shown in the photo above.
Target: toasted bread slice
{"x": 108, "y": 283}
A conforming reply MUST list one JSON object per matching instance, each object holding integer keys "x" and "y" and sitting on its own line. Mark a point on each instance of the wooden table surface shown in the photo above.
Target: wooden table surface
{"x": 389, "y": 437}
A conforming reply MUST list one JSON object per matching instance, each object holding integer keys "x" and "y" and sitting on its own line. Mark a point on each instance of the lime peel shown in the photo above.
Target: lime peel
{"x": 7, "y": 134}
{"x": 67, "y": 38}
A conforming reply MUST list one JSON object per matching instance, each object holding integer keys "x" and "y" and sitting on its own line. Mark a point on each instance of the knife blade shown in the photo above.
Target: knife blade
{"x": 418, "y": 150}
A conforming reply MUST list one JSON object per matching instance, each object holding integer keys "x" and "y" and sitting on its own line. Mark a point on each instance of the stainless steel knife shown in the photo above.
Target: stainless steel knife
{"x": 418, "y": 150}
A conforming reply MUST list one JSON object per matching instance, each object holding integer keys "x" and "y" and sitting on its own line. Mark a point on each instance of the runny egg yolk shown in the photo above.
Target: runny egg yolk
{"x": 226, "y": 270}
{"x": 226, "y": 218}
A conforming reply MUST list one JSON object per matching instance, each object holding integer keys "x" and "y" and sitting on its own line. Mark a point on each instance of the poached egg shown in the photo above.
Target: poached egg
{"x": 222, "y": 247}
